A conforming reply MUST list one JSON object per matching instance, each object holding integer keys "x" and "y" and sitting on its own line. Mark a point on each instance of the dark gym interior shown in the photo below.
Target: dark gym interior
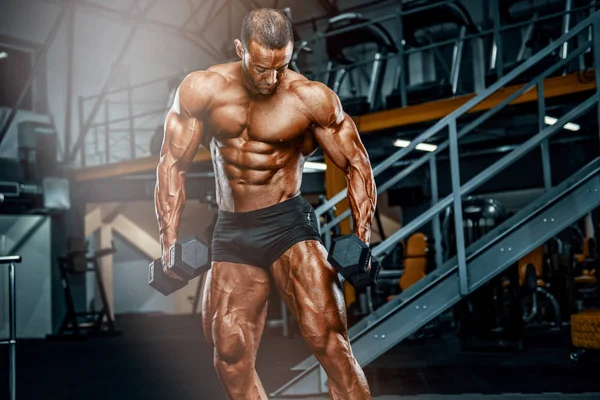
{"x": 481, "y": 120}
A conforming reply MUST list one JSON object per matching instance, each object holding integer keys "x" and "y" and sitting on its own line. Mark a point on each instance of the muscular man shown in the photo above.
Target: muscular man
{"x": 261, "y": 121}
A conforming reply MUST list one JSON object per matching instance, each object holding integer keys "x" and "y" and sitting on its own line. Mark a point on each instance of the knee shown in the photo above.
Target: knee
{"x": 324, "y": 340}
{"x": 230, "y": 344}
{"x": 316, "y": 342}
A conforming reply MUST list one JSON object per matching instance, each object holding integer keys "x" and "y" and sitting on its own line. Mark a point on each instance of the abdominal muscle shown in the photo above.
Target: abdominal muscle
{"x": 248, "y": 181}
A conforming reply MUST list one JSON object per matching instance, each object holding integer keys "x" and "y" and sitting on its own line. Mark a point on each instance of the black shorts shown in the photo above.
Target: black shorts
{"x": 261, "y": 236}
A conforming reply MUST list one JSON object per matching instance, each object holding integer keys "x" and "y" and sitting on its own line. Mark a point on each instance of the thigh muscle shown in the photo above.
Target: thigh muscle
{"x": 311, "y": 289}
{"x": 234, "y": 306}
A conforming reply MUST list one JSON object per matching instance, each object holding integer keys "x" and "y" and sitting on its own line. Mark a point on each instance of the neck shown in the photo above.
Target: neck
{"x": 246, "y": 81}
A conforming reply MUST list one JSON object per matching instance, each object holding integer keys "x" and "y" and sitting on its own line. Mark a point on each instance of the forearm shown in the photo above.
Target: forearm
{"x": 362, "y": 197}
{"x": 169, "y": 203}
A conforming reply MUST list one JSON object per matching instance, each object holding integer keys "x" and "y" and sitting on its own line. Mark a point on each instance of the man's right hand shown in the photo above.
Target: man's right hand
{"x": 166, "y": 244}
{"x": 182, "y": 136}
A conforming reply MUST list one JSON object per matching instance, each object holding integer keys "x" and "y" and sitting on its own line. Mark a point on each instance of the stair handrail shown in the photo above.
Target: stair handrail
{"x": 451, "y": 118}
{"x": 450, "y": 122}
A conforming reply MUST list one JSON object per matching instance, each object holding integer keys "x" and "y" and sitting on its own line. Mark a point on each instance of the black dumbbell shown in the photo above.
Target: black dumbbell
{"x": 187, "y": 259}
{"x": 350, "y": 256}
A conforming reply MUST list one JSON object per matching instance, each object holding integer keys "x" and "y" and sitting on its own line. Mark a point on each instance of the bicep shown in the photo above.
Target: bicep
{"x": 183, "y": 126}
{"x": 182, "y": 138}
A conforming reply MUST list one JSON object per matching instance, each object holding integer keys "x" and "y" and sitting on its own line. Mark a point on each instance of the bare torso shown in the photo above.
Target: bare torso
{"x": 258, "y": 143}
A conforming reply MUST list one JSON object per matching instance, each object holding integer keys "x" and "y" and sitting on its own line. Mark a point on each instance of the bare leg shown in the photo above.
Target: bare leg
{"x": 234, "y": 310}
{"x": 309, "y": 286}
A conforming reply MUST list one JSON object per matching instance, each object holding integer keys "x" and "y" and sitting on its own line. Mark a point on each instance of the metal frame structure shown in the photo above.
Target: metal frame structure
{"x": 322, "y": 70}
{"x": 34, "y": 71}
{"x": 105, "y": 124}
{"x": 137, "y": 14}
{"x": 86, "y": 122}
{"x": 316, "y": 43}
{"x": 449, "y": 122}
{"x": 438, "y": 291}
{"x": 473, "y": 266}
{"x": 12, "y": 323}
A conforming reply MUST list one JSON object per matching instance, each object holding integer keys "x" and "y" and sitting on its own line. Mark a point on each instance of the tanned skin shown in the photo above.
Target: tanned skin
{"x": 260, "y": 122}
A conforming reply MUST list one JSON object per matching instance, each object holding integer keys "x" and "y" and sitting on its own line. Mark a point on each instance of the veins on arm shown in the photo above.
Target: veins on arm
{"x": 183, "y": 135}
{"x": 338, "y": 136}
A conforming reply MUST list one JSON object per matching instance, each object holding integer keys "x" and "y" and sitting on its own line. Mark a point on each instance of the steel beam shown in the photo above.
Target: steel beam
{"x": 596, "y": 54}
{"x": 186, "y": 34}
{"x": 193, "y": 36}
{"x": 194, "y": 13}
{"x": 439, "y": 290}
{"x": 70, "y": 78}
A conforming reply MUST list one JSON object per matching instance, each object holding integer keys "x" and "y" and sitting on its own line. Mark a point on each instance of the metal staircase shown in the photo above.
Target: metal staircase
{"x": 556, "y": 209}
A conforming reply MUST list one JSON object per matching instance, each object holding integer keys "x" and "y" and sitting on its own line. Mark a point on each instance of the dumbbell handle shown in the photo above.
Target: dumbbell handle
{"x": 164, "y": 261}
{"x": 159, "y": 281}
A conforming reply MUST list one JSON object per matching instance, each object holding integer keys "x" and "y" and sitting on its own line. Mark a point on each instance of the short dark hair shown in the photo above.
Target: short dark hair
{"x": 268, "y": 27}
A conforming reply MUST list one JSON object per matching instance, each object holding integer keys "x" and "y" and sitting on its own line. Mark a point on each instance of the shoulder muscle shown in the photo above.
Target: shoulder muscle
{"x": 195, "y": 93}
{"x": 322, "y": 104}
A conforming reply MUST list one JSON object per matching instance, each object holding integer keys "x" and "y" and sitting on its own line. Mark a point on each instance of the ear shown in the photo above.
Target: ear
{"x": 239, "y": 48}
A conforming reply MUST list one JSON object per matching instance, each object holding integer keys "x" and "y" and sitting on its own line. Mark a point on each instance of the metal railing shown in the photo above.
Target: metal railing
{"x": 449, "y": 123}
{"x": 12, "y": 324}
{"x": 321, "y": 69}
{"x": 118, "y": 133}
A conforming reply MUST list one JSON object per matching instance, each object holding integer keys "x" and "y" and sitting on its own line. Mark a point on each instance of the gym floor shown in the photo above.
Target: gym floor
{"x": 166, "y": 357}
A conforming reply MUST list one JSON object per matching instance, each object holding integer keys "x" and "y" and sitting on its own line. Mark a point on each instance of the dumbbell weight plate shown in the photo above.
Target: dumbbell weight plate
{"x": 349, "y": 255}
{"x": 367, "y": 278}
{"x": 189, "y": 258}
{"x": 162, "y": 283}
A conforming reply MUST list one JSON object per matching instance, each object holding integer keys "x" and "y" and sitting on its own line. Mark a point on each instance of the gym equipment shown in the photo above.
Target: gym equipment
{"x": 416, "y": 260}
{"x": 537, "y": 35}
{"x": 187, "y": 259}
{"x": 350, "y": 256}
{"x": 12, "y": 323}
{"x": 534, "y": 286}
{"x": 415, "y": 263}
{"x": 423, "y": 28}
{"x": 21, "y": 195}
{"x": 585, "y": 333}
{"x": 95, "y": 323}
{"x": 341, "y": 49}
{"x": 37, "y": 150}
{"x": 491, "y": 317}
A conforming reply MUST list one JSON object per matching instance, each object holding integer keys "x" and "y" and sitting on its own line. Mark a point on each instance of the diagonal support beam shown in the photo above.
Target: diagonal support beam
{"x": 211, "y": 15}
{"x": 136, "y": 236}
{"x": 194, "y": 13}
{"x": 134, "y": 6}
{"x": 183, "y": 33}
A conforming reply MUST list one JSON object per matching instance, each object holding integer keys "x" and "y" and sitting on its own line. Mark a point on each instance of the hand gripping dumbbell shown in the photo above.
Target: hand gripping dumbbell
{"x": 187, "y": 259}
{"x": 350, "y": 256}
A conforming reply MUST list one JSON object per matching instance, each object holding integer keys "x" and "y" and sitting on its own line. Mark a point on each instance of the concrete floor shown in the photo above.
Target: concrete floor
{"x": 168, "y": 358}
